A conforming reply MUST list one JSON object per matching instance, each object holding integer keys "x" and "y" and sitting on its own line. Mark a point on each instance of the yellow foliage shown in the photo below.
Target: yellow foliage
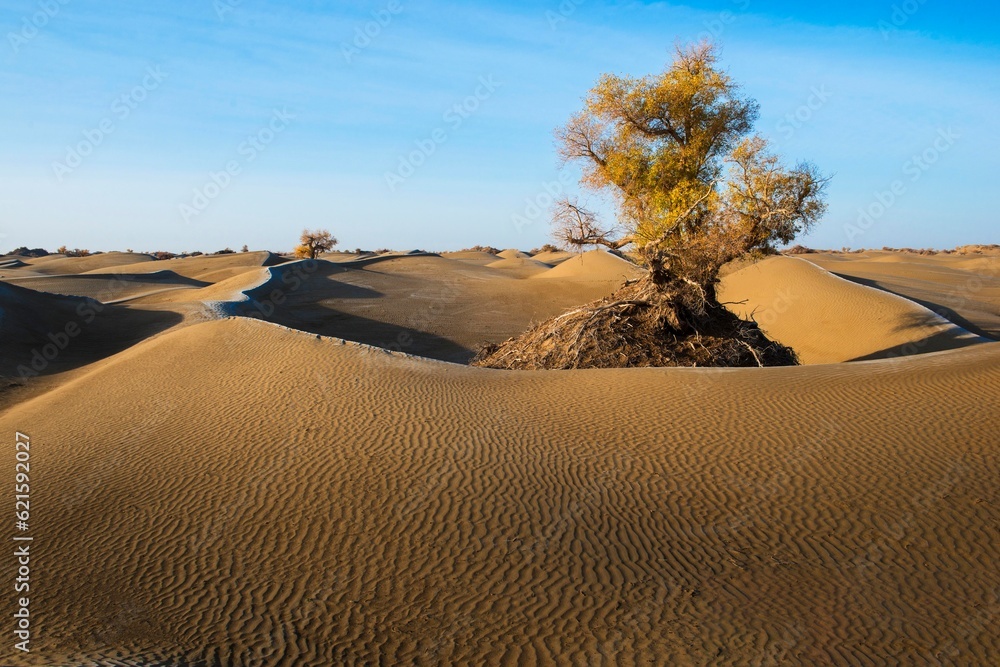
{"x": 672, "y": 151}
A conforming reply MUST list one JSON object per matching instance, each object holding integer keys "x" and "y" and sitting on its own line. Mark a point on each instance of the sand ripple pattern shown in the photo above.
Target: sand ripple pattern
{"x": 235, "y": 493}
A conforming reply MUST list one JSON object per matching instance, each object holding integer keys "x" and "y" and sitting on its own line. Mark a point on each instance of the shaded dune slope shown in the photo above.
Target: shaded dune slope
{"x": 48, "y": 333}
{"x": 426, "y": 305}
{"x": 109, "y": 287}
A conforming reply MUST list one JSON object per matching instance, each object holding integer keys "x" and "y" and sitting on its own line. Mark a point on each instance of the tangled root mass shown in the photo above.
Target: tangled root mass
{"x": 642, "y": 324}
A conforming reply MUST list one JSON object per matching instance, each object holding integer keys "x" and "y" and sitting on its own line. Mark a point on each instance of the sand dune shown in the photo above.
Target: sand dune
{"x": 43, "y": 334}
{"x": 345, "y": 256}
{"x": 828, "y": 320}
{"x": 964, "y": 289}
{"x": 210, "y": 268}
{"x": 227, "y": 289}
{"x": 108, "y": 287}
{"x": 472, "y": 256}
{"x": 553, "y": 258}
{"x": 520, "y": 266}
{"x": 594, "y": 265}
{"x": 54, "y": 265}
{"x": 238, "y": 493}
{"x": 513, "y": 253}
{"x": 427, "y": 305}
{"x": 10, "y": 262}
{"x": 233, "y": 492}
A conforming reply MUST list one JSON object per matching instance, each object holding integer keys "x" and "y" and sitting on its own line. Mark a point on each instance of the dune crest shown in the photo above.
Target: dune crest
{"x": 827, "y": 319}
{"x": 595, "y": 265}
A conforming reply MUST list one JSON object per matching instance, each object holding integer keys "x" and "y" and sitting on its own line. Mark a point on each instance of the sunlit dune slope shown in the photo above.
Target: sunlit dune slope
{"x": 522, "y": 267}
{"x": 965, "y": 289}
{"x": 826, "y": 319}
{"x": 103, "y": 261}
{"x": 207, "y": 268}
{"x": 594, "y": 265}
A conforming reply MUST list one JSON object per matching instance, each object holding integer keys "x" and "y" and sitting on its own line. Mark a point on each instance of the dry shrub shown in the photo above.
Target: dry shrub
{"x": 24, "y": 251}
{"x": 548, "y": 247}
{"x": 978, "y": 249}
{"x": 484, "y": 248}
{"x": 798, "y": 249}
{"x": 642, "y": 324}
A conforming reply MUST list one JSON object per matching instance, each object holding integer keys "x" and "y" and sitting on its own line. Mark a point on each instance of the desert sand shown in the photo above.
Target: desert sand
{"x": 226, "y": 472}
{"x": 965, "y": 289}
{"x": 827, "y": 319}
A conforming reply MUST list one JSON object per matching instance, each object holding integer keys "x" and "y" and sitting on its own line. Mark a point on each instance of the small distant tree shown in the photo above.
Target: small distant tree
{"x": 62, "y": 250}
{"x": 245, "y": 248}
{"x": 314, "y": 242}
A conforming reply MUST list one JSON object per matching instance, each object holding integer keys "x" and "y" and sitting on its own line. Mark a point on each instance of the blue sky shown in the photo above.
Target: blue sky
{"x": 196, "y": 125}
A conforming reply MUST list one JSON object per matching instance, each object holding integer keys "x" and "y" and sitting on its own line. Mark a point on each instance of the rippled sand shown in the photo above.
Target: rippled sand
{"x": 239, "y": 493}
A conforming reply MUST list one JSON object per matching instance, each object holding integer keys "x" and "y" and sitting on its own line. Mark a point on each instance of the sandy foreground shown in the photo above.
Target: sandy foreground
{"x": 214, "y": 489}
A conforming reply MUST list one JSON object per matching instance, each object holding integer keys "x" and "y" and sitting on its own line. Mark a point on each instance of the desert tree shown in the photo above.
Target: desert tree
{"x": 314, "y": 242}
{"x": 692, "y": 187}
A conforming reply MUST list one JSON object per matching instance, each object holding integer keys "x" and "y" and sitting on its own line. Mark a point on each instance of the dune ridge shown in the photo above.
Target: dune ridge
{"x": 964, "y": 289}
{"x": 595, "y": 265}
{"x": 827, "y": 319}
{"x": 424, "y": 304}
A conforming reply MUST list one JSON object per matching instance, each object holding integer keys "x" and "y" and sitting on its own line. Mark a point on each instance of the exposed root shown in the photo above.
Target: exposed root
{"x": 642, "y": 324}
